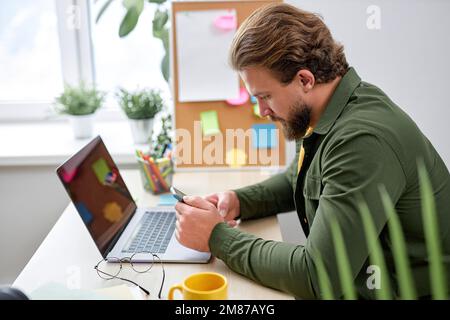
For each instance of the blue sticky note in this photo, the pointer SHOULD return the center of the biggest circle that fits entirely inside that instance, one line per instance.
(253, 100)
(84, 213)
(264, 136)
(167, 200)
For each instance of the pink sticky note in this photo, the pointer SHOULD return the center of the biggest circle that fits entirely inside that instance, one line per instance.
(68, 175)
(226, 22)
(243, 98)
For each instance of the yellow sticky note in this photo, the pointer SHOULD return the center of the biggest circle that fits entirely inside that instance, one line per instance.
(112, 212)
(210, 122)
(236, 157)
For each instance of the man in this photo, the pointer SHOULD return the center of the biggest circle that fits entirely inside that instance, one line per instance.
(351, 139)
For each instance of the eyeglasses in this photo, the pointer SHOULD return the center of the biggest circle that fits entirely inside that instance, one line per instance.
(136, 264)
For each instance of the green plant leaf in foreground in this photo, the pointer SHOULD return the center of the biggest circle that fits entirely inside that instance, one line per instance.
(324, 281)
(402, 266)
(376, 253)
(344, 268)
(431, 230)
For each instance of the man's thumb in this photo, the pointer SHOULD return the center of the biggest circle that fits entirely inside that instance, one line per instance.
(223, 207)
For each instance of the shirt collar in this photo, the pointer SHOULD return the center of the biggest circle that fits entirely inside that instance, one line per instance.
(338, 101)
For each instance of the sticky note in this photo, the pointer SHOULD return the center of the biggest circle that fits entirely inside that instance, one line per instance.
(85, 214)
(112, 212)
(226, 22)
(236, 157)
(256, 111)
(101, 169)
(167, 200)
(264, 136)
(243, 98)
(210, 123)
(68, 175)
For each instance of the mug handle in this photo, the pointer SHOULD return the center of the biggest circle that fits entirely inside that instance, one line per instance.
(173, 288)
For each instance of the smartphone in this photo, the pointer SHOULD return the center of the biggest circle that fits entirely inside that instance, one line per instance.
(177, 194)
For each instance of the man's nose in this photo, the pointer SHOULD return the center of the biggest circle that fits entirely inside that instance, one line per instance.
(264, 109)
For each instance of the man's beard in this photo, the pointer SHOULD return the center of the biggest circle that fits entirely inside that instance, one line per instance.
(297, 122)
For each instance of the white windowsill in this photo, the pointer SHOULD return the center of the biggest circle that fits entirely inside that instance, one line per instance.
(51, 143)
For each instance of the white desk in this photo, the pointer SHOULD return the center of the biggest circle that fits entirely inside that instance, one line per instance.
(68, 254)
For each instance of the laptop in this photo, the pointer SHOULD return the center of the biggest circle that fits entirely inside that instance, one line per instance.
(118, 227)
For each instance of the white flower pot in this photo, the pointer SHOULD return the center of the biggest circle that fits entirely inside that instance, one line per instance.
(141, 130)
(82, 126)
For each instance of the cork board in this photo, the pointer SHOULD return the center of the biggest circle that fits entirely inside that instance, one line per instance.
(235, 122)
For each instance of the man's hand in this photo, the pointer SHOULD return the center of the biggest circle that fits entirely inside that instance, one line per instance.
(227, 203)
(196, 218)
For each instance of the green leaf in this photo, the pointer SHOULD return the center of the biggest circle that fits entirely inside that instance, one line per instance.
(159, 21)
(324, 281)
(345, 274)
(376, 253)
(165, 39)
(431, 230)
(402, 266)
(102, 10)
(165, 67)
(157, 1)
(129, 22)
(137, 4)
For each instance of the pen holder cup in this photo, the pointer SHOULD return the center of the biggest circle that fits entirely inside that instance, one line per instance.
(156, 176)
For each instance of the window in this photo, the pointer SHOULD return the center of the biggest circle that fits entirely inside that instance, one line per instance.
(44, 43)
(29, 52)
(131, 62)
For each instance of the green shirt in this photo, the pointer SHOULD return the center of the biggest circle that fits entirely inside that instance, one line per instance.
(362, 140)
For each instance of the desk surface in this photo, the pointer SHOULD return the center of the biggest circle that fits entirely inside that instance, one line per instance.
(68, 254)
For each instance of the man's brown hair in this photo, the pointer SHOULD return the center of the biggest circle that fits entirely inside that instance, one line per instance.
(285, 39)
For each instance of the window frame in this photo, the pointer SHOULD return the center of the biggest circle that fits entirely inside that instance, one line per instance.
(77, 64)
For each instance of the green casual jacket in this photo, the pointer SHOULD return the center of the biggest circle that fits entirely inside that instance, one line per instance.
(362, 140)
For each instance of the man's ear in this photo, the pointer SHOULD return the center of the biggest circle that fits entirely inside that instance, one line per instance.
(306, 80)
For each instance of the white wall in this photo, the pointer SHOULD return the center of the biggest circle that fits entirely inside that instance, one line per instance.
(32, 199)
(408, 57)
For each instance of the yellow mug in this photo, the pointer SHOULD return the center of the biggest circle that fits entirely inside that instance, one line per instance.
(202, 286)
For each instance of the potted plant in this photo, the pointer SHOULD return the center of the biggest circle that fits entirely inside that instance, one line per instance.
(80, 103)
(141, 107)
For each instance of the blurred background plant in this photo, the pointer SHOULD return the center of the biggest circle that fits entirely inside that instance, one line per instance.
(134, 9)
(80, 103)
(140, 104)
(163, 140)
(79, 100)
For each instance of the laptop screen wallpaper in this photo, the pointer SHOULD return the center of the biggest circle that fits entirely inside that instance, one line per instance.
(98, 192)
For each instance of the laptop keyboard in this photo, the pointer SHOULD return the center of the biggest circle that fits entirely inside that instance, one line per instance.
(155, 232)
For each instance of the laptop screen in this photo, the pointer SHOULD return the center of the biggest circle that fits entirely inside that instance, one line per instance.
(98, 192)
